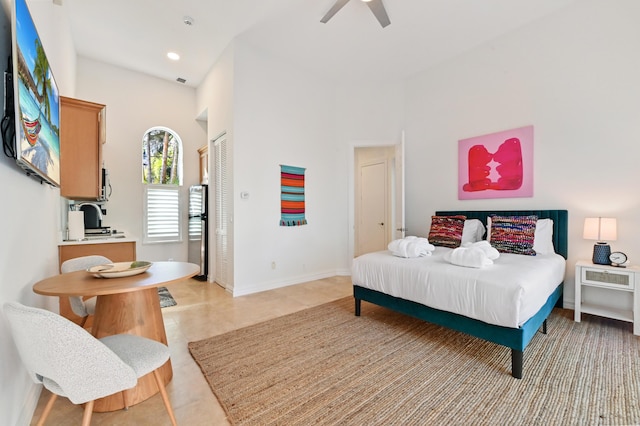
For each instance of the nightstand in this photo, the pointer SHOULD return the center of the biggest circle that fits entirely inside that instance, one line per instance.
(610, 279)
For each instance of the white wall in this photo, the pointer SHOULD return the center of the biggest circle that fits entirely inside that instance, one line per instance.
(367, 115)
(574, 77)
(135, 103)
(275, 114)
(32, 227)
(55, 34)
(284, 115)
(214, 101)
(369, 112)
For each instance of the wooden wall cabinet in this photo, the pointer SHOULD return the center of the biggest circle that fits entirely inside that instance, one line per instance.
(82, 133)
(116, 252)
(203, 151)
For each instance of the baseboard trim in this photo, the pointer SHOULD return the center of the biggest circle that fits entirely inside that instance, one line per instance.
(271, 285)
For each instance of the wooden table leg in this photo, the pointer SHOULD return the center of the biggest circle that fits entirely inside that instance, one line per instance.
(138, 313)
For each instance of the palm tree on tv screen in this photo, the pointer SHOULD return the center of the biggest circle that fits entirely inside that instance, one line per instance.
(40, 74)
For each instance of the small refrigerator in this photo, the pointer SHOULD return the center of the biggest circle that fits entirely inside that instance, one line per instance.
(199, 229)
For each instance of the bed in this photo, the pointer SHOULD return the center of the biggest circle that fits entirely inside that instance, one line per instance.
(514, 332)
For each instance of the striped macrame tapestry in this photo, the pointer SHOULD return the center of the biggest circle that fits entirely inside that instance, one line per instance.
(292, 196)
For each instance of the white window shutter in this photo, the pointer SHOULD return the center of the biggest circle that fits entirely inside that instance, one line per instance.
(162, 219)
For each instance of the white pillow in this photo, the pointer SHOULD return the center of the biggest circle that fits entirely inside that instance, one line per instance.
(542, 238)
(473, 231)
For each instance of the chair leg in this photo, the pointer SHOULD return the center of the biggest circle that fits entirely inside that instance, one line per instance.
(84, 320)
(165, 397)
(47, 409)
(88, 411)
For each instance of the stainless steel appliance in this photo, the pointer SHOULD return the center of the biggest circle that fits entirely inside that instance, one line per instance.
(105, 191)
(199, 229)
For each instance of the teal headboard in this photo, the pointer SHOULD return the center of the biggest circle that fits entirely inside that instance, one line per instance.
(560, 222)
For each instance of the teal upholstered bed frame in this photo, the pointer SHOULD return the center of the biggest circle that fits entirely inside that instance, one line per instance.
(515, 338)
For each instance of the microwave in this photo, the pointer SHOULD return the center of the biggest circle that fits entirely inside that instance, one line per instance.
(105, 191)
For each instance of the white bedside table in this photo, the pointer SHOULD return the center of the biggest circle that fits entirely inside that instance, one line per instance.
(609, 278)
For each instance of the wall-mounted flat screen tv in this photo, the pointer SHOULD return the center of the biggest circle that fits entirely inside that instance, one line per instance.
(36, 101)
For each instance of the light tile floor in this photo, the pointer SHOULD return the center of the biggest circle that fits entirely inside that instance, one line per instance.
(203, 310)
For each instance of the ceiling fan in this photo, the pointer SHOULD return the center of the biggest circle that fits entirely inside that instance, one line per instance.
(376, 7)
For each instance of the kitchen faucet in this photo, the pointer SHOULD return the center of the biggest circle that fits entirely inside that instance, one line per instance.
(95, 206)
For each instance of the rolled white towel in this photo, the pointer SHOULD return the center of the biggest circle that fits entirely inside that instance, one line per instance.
(486, 247)
(415, 249)
(411, 247)
(401, 247)
(394, 245)
(471, 257)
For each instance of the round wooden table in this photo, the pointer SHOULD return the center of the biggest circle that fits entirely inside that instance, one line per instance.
(124, 305)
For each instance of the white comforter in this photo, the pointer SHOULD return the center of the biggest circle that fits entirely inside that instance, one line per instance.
(506, 293)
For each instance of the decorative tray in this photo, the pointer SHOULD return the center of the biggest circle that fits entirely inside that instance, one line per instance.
(119, 269)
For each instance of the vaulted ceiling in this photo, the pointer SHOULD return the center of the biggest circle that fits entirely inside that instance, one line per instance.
(352, 46)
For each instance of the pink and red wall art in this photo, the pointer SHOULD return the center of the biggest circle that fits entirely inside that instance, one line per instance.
(498, 165)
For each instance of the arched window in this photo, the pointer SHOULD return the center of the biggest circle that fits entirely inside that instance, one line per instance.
(161, 157)
(162, 178)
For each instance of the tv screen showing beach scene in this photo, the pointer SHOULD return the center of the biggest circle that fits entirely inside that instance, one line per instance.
(36, 101)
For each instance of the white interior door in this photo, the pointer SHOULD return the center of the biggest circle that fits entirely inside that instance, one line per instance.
(373, 224)
(383, 186)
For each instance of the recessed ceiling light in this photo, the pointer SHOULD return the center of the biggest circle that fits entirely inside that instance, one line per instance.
(188, 20)
(173, 56)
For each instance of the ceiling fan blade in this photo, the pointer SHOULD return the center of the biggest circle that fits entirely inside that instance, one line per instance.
(334, 9)
(378, 10)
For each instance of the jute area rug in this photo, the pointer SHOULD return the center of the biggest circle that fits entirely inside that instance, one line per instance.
(325, 366)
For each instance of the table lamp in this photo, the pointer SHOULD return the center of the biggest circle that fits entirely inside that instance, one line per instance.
(600, 229)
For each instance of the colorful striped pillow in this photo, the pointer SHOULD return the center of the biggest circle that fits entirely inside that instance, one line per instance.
(446, 231)
(513, 234)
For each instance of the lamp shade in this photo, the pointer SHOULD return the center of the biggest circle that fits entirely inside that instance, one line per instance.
(600, 229)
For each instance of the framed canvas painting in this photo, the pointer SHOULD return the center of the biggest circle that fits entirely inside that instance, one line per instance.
(497, 165)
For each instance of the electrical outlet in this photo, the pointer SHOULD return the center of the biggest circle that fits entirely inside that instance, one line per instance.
(273, 265)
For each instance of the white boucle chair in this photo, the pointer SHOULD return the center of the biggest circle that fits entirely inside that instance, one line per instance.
(72, 363)
(80, 307)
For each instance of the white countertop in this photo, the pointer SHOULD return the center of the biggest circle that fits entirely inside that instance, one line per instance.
(98, 240)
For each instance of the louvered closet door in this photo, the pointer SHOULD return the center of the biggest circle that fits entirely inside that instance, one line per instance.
(221, 211)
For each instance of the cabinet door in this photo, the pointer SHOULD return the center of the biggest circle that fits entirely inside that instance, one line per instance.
(82, 132)
(204, 164)
(116, 252)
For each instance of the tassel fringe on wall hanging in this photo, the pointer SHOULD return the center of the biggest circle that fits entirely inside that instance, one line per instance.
(292, 196)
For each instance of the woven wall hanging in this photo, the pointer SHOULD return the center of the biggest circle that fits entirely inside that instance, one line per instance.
(292, 196)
